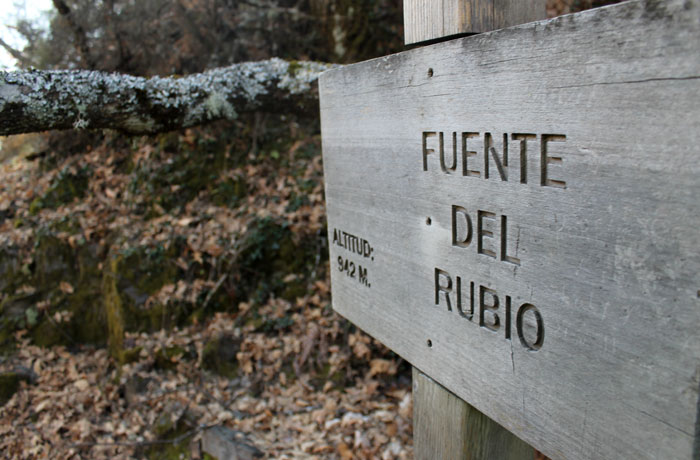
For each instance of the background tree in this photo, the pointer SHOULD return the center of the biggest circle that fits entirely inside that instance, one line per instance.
(163, 37)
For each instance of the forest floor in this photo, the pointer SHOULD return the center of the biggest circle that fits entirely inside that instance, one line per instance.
(239, 334)
(83, 405)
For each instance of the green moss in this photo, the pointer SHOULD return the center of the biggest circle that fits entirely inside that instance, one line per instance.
(129, 279)
(130, 355)
(268, 254)
(164, 426)
(12, 312)
(65, 224)
(167, 358)
(10, 270)
(198, 315)
(171, 451)
(262, 324)
(169, 142)
(35, 206)
(102, 303)
(229, 192)
(195, 167)
(47, 334)
(66, 187)
(293, 68)
(144, 270)
(114, 311)
(54, 262)
(8, 345)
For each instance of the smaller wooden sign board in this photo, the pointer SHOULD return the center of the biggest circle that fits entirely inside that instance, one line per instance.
(517, 214)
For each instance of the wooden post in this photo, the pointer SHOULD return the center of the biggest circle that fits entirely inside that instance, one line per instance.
(445, 426)
(426, 20)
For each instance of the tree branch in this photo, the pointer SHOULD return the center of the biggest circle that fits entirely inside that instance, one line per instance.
(15, 53)
(175, 440)
(41, 100)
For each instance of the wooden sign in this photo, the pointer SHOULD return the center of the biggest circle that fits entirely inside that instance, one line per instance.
(426, 20)
(517, 214)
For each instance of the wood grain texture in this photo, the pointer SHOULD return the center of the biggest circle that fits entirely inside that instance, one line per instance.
(443, 426)
(426, 20)
(508, 13)
(610, 261)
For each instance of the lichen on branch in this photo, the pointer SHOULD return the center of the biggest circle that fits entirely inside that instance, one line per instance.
(35, 100)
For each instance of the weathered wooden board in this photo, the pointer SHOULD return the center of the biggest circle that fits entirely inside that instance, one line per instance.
(590, 245)
(426, 20)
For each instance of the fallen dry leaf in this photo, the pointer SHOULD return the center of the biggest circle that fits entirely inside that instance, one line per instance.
(65, 287)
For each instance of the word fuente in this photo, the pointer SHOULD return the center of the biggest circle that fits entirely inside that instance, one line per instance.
(462, 142)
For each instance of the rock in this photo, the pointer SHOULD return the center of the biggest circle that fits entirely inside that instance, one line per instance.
(222, 443)
(134, 387)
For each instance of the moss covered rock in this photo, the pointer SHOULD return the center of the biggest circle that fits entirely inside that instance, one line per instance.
(68, 279)
(189, 168)
(62, 279)
(219, 355)
(97, 304)
(274, 261)
(10, 383)
(79, 293)
(129, 279)
(66, 187)
(9, 266)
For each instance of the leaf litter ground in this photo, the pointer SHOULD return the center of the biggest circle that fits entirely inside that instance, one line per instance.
(301, 382)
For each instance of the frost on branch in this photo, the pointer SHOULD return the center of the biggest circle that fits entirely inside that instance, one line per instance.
(62, 99)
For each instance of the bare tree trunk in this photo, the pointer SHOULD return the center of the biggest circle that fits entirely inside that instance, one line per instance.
(78, 33)
(40, 100)
(112, 25)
